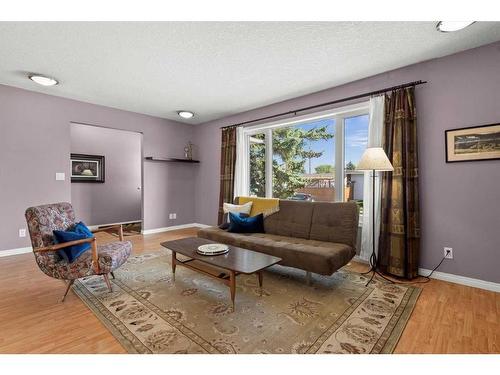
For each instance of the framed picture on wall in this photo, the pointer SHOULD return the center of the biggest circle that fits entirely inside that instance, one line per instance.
(87, 168)
(473, 143)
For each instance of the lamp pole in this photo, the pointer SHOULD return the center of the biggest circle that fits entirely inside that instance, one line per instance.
(373, 257)
(374, 159)
(374, 265)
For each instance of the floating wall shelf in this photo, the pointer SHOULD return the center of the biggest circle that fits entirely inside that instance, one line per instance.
(171, 160)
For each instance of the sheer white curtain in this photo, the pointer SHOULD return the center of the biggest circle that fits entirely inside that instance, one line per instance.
(241, 183)
(375, 131)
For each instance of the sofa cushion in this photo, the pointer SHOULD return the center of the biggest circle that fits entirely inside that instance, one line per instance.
(292, 220)
(335, 222)
(315, 256)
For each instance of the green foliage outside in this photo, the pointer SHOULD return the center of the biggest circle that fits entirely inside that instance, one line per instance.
(324, 168)
(350, 166)
(289, 158)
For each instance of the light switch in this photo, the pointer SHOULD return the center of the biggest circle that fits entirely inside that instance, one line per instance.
(60, 176)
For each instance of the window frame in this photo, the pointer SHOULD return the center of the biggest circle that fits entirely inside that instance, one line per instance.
(338, 114)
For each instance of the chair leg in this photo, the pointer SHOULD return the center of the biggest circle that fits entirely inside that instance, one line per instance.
(70, 283)
(106, 278)
(112, 275)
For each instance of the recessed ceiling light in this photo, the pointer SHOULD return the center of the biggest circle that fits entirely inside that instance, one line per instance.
(43, 80)
(185, 114)
(449, 26)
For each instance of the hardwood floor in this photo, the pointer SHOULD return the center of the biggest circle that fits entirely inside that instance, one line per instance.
(448, 318)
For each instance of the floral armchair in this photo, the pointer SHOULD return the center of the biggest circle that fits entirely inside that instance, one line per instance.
(100, 260)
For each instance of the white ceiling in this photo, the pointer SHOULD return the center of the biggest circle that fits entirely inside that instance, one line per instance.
(215, 68)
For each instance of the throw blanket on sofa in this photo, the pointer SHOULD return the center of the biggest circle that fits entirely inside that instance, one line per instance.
(266, 206)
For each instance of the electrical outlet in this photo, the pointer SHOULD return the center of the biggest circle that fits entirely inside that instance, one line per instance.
(448, 252)
(175, 216)
(22, 232)
(172, 216)
(60, 176)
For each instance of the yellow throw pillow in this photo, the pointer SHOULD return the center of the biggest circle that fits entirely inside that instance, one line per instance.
(266, 206)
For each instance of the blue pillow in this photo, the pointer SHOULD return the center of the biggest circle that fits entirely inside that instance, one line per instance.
(238, 224)
(83, 229)
(79, 232)
(225, 224)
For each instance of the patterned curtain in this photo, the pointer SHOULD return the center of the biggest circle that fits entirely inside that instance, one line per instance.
(399, 242)
(227, 163)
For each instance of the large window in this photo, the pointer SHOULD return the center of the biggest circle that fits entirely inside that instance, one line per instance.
(355, 142)
(303, 161)
(309, 158)
(257, 153)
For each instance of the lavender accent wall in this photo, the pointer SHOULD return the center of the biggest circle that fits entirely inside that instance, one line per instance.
(119, 198)
(460, 202)
(35, 144)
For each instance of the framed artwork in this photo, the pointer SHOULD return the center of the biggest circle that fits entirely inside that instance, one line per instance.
(473, 143)
(87, 168)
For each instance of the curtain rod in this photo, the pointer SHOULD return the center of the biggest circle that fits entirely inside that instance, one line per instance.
(381, 91)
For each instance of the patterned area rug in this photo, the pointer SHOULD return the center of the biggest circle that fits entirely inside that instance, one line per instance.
(150, 313)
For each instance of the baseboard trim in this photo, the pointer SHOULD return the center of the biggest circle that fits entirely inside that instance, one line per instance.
(20, 250)
(94, 227)
(449, 277)
(468, 281)
(174, 227)
(357, 258)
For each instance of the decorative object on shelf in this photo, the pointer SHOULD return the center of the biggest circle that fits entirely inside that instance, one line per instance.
(171, 160)
(87, 168)
(212, 249)
(188, 151)
(374, 159)
(473, 143)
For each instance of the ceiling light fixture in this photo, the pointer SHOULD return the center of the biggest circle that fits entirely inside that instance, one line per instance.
(449, 26)
(185, 114)
(43, 80)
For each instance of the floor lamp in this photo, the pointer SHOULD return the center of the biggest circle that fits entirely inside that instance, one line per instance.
(374, 159)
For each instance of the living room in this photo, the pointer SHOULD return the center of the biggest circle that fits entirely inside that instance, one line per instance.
(318, 187)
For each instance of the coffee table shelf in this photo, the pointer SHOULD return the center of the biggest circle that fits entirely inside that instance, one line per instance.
(237, 261)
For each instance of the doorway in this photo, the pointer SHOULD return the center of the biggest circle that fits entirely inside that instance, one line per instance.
(117, 197)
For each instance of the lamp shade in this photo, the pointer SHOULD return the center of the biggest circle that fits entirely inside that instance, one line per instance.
(374, 158)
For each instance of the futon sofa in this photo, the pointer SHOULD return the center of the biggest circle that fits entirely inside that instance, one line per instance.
(317, 237)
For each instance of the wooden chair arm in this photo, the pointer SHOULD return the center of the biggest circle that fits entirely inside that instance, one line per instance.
(93, 243)
(113, 228)
(59, 246)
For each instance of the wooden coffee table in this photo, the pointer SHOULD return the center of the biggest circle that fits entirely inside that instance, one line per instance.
(224, 267)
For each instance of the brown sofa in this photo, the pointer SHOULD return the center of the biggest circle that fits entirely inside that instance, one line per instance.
(318, 237)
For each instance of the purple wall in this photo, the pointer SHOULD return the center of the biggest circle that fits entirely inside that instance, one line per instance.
(35, 144)
(460, 202)
(119, 198)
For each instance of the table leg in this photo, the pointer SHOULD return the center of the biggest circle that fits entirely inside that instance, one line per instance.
(260, 275)
(232, 286)
(174, 263)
